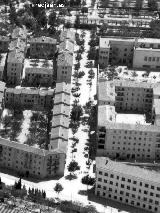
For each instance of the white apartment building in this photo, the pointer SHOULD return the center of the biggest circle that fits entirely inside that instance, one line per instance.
(31, 161)
(146, 58)
(128, 184)
(128, 141)
(137, 52)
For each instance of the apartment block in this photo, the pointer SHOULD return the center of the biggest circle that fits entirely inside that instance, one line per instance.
(31, 161)
(146, 58)
(128, 184)
(60, 118)
(38, 72)
(3, 59)
(4, 43)
(64, 67)
(16, 55)
(36, 99)
(43, 47)
(117, 51)
(137, 52)
(124, 140)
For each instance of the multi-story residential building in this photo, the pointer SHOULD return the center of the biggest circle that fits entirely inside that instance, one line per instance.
(15, 61)
(67, 34)
(14, 67)
(36, 99)
(4, 43)
(42, 47)
(116, 51)
(128, 141)
(146, 58)
(60, 119)
(38, 72)
(126, 184)
(64, 67)
(31, 161)
(3, 58)
(139, 53)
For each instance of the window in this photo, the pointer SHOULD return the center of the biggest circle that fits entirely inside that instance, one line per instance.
(122, 185)
(100, 173)
(149, 59)
(145, 58)
(100, 179)
(123, 179)
(146, 185)
(153, 59)
(98, 186)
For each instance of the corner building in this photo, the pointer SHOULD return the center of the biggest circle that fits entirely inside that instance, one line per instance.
(128, 184)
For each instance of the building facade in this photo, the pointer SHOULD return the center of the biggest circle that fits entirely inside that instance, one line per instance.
(60, 117)
(43, 47)
(16, 56)
(128, 141)
(36, 99)
(128, 184)
(133, 52)
(64, 67)
(30, 161)
(38, 72)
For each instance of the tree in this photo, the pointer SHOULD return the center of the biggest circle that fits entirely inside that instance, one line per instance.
(76, 113)
(18, 184)
(77, 22)
(58, 188)
(73, 166)
(89, 209)
(52, 19)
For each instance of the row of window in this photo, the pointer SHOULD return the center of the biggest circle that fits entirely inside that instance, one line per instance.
(151, 58)
(128, 180)
(131, 202)
(129, 194)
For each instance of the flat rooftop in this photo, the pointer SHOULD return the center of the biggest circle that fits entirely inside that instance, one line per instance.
(131, 119)
(132, 171)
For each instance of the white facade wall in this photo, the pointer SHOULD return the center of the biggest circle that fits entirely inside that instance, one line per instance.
(127, 189)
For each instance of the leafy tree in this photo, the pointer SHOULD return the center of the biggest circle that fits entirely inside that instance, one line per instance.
(77, 22)
(89, 209)
(18, 184)
(73, 166)
(88, 180)
(52, 18)
(155, 28)
(12, 14)
(76, 113)
(84, 10)
(58, 188)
